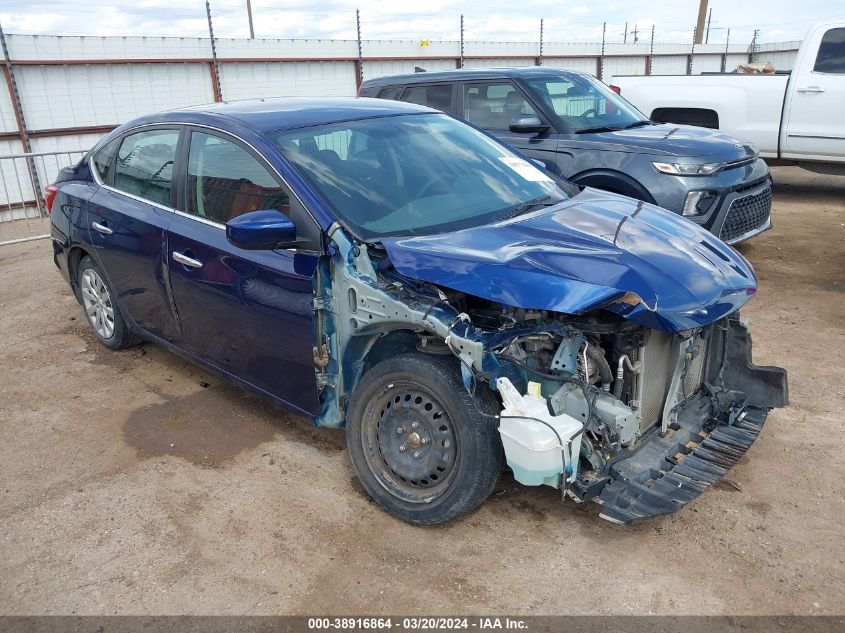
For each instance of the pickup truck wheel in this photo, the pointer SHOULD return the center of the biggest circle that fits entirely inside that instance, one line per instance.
(101, 311)
(424, 449)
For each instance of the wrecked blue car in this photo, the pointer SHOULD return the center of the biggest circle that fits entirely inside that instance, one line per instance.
(383, 267)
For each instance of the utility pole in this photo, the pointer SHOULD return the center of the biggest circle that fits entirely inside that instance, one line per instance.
(636, 38)
(699, 24)
(214, 64)
(625, 37)
(540, 58)
(709, 17)
(249, 15)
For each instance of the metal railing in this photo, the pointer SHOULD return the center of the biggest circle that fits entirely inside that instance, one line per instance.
(23, 178)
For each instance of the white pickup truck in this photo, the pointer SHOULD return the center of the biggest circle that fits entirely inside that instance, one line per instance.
(792, 118)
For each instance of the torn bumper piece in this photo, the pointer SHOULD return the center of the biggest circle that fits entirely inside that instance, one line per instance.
(711, 433)
(670, 471)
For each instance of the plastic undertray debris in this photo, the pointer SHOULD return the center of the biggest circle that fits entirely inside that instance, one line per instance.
(672, 470)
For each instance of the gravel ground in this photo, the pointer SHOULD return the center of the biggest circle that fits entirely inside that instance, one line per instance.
(135, 483)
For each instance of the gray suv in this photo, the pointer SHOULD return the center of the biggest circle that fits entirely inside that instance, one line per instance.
(584, 132)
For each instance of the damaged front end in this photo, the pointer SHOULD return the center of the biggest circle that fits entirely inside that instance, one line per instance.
(603, 406)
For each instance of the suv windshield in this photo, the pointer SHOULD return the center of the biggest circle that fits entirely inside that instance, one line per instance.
(415, 174)
(582, 104)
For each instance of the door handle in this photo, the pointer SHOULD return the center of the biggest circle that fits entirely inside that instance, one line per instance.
(102, 228)
(811, 89)
(187, 261)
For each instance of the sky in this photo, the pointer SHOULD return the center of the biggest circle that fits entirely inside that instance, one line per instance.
(564, 20)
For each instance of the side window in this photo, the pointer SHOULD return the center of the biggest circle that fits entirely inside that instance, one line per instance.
(103, 160)
(493, 105)
(144, 164)
(391, 92)
(831, 56)
(435, 96)
(225, 181)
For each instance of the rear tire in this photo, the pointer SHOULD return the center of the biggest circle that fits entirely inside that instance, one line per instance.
(424, 449)
(100, 309)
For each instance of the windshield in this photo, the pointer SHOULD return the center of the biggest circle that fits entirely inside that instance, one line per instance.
(415, 175)
(584, 104)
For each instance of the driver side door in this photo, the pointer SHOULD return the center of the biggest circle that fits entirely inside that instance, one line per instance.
(250, 313)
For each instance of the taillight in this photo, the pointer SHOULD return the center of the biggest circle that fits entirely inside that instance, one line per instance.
(52, 190)
(616, 89)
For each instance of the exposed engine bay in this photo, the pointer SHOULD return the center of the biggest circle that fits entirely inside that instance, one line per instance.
(638, 419)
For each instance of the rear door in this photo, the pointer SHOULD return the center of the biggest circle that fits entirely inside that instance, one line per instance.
(127, 221)
(250, 313)
(815, 125)
(492, 105)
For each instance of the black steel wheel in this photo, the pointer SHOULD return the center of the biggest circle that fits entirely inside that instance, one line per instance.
(423, 448)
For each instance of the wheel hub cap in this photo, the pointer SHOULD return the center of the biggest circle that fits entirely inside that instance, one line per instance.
(97, 303)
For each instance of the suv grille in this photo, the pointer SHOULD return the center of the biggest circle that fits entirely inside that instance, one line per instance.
(746, 214)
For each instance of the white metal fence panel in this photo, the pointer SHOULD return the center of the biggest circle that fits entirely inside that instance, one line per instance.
(580, 64)
(399, 67)
(623, 66)
(499, 62)
(74, 96)
(706, 64)
(669, 65)
(246, 80)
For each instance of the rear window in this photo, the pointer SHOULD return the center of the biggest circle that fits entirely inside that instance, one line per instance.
(144, 164)
(831, 56)
(437, 96)
(103, 160)
(391, 92)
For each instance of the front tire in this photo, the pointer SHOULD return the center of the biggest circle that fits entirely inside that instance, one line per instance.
(100, 309)
(424, 449)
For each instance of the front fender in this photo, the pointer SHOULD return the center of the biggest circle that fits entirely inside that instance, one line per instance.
(615, 181)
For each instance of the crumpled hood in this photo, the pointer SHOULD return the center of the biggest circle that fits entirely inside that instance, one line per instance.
(584, 254)
(680, 141)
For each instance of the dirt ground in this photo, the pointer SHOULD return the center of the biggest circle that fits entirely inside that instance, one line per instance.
(136, 483)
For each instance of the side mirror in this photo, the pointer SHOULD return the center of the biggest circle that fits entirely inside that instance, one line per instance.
(261, 230)
(527, 123)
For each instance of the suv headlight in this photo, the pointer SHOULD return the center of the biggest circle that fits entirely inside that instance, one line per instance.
(679, 169)
(699, 203)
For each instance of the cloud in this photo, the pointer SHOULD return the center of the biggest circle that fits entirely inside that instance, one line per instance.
(435, 19)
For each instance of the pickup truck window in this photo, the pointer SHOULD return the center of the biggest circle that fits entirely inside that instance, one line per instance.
(415, 175)
(831, 55)
(583, 105)
(492, 105)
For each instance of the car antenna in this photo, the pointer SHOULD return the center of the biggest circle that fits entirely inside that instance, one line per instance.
(417, 69)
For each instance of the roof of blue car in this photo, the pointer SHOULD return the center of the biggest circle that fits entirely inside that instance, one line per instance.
(469, 73)
(294, 112)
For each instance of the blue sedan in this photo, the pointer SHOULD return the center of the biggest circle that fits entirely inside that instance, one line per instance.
(383, 267)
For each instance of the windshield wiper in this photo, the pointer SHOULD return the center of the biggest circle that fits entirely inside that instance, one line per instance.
(600, 128)
(525, 207)
(638, 124)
